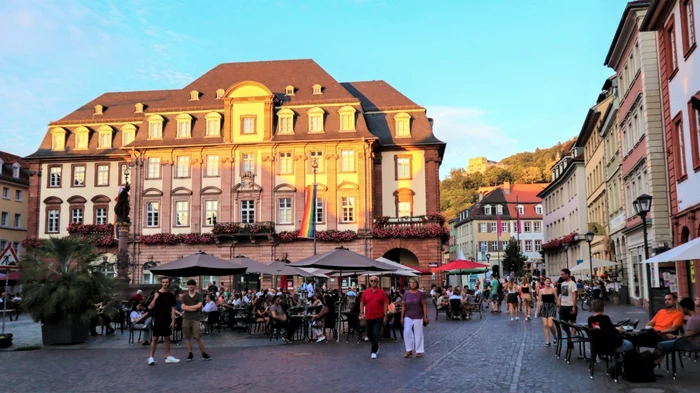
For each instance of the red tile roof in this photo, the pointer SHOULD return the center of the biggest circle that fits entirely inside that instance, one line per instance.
(6, 169)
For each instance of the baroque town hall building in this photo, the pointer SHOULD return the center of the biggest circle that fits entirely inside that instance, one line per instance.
(223, 166)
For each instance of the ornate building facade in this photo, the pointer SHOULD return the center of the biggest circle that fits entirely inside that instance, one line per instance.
(223, 165)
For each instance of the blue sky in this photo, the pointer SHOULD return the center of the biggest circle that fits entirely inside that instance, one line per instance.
(499, 77)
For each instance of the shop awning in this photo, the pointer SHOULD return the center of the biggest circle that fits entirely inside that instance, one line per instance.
(685, 252)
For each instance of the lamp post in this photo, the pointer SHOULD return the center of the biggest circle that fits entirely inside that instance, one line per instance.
(589, 239)
(642, 206)
(566, 251)
(314, 168)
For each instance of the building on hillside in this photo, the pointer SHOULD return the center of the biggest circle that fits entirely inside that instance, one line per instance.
(675, 25)
(590, 141)
(633, 56)
(478, 232)
(481, 164)
(565, 213)
(14, 183)
(609, 133)
(223, 164)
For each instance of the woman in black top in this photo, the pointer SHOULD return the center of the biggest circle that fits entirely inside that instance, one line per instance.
(547, 309)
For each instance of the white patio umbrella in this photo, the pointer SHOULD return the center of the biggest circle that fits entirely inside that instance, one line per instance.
(597, 264)
(685, 252)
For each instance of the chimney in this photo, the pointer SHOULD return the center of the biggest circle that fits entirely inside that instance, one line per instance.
(506, 187)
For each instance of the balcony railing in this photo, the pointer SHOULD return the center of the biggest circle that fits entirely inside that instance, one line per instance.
(428, 226)
(239, 230)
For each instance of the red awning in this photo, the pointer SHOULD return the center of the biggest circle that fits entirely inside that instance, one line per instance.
(462, 265)
(14, 276)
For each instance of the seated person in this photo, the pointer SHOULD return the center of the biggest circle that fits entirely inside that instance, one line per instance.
(669, 319)
(237, 302)
(211, 305)
(692, 326)
(456, 297)
(141, 320)
(351, 292)
(443, 301)
(280, 318)
(601, 321)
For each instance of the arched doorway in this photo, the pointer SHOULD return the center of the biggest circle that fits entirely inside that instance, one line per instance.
(404, 257)
(689, 265)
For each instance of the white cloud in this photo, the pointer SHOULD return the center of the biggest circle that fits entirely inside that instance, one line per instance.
(468, 132)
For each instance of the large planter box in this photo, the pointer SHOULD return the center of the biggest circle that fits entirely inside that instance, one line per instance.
(67, 331)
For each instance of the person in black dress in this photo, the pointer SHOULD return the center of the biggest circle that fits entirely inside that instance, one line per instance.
(163, 310)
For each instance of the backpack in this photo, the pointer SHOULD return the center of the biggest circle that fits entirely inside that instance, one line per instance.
(639, 367)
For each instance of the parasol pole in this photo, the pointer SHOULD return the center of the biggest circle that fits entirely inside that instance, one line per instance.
(4, 301)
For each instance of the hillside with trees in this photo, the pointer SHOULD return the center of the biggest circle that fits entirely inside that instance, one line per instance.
(459, 190)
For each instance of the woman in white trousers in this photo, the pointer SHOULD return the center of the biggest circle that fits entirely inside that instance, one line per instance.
(414, 315)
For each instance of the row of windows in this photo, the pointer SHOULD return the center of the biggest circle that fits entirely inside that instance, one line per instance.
(79, 175)
(526, 246)
(488, 209)
(632, 130)
(688, 38)
(6, 194)
(635, 186)
(681, 163)
(5, 220)
(528, 226)
(556, 199)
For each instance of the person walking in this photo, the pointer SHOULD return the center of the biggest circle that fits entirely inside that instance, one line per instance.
(163, 308)
(567, 297)
(373, 306)
(547, 309)
(493, 297)
(191, 307)
(512, 299)
(414, 314)
(526, 298)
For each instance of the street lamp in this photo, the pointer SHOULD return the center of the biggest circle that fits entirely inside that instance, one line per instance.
(642, 206)
(589, 239)
(314, 168)
(566, 251)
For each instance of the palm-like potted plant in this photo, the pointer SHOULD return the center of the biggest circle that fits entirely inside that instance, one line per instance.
(62, 286)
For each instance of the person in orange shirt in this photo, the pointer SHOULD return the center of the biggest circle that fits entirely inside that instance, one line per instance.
(669, 319)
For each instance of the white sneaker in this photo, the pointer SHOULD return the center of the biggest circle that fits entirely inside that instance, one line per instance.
(373, 356)
(321, 339)
(512, 319)
(517, 318)
(172, 359)
(151, 361)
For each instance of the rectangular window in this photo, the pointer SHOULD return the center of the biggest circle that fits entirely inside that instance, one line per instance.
(403, 168)
(182, 213)
(58, 141)
(521, 210)
(213, 127)
(402, 127)
(52, 221)
(79, 176)
(504, 245)
(527, 226)
(347, 163)
(348, 207)
(347, 121)
(286, 125)
(494, 245)
(123, 176)
(285, 211)
(4, 217)
(538, 209)
(247, 211)
(499, 209)
(155, 130)
(688, 25)
(528, 245)
(6, 192)
(152, 219)
(183, 166)
(404, 209)
(248, 125)
(316, 156)
(211, 212)
(538, 245)
(315, 123)
(538, 226)
(286, 163)
(212, 166)
(248, 163)
(81, 140)
(672, 50)
(105, 140)
(183, 129)
(102, 175)
(482, 227)
(18, 195)
(319, 210)
(18, 221)
(487, 210)
(494, 227)
(100, 215)
(128, 137)
(504, 227)
(76, 216)
(153, 168)
(16, 247)
(681, 170)
(695, 133)
(55, 176)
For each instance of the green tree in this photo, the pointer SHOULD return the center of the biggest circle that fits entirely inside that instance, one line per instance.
(531, 174)
(514, 260)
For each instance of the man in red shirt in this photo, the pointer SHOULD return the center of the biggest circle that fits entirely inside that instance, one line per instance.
(373, 307)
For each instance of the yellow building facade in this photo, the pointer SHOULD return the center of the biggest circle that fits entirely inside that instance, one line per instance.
(14, 188)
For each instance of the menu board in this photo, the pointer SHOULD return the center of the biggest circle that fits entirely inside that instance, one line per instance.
(657, 302)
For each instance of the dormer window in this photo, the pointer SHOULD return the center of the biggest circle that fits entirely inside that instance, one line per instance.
(289, 90)
(98, 109)
(403, 124)
(213, 124)
(15, 170)
(58, 139)
(285, 124)
(316, 119)
(128, 134)
(194, 95)
(538, 209)
(487, 210)
(104, 140)
(155, 127)
(184, 125)
(219, 94)
(347, 118)
(499, 209)
(317, 89)
(82, 134)
(138, 108)
(521, 209)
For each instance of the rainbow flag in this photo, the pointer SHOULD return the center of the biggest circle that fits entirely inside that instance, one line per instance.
(308, 221)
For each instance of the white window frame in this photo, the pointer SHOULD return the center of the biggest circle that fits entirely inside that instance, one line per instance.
(101, 216)
(403, 125)
(347, 205)
(538, 245)
(537, 227)
(152, 214)
(82, 170)
(102, 176)
(494, 245)
(538, 209)
(76, 215)
(15, 170)
(182, 213)
(494, 227)
(483, 228)
(248, 125)
(284, 211)
(504, 227)
(6, 192)
(154, 166)
(347, 160)
(248, 163)
(404, 209)
(81, 140)
(319, 210)
(403, 168)
(104, 139)
(528, 245)
(247, 211)
(213, 124)
(527, 226)
(487, 210)
(53, 221)
(521, 209)
(286, 163)
(316, 119)
(212, 166)
(155, 129)
(183, 167)
(211, 213)
(499, 209)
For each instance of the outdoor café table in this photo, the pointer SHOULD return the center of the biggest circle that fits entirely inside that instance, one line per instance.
(302, 325)
(647, 338)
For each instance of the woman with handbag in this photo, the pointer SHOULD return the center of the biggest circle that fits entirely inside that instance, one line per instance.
(414, 314)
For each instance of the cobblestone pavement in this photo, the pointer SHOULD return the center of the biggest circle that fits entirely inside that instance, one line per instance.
(493, 354)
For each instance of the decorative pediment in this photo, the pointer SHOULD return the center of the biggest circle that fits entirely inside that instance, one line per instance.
(348, 185)
(76, 199)
(152, 192)
(100, 199)
(52, 200)
(404, 191)
(181, 191)
(285, 188)
(244, 187)
(211, 190)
